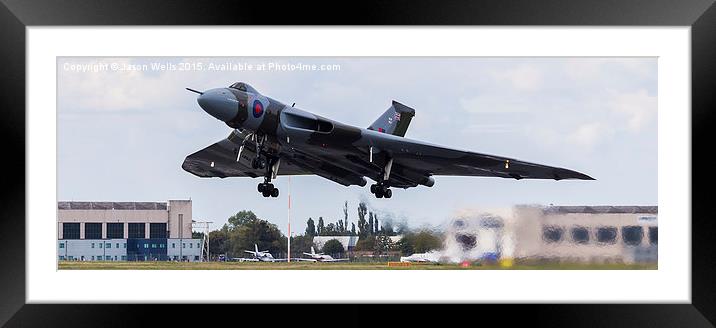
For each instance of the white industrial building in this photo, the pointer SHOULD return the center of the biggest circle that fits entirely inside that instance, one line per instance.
(126, 231)
(592, 234)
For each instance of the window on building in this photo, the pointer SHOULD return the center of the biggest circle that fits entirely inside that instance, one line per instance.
(161, 245)
(108, 258)
(552, 234)
(580, 235)
(92, 257)
(157, 230)
(117, 245)
(100, 245)
(190, 245)
(632, 235)
(183, 245)
(62, 258)
(654, 235)
(92, 245)
(173, 245)
(154, 245)
(70, 257)
(108, 245)
(93, 230)
(115, 257)
(607, 235)
(125, 245)
(196, 258)
(62, 245)
(135, 230)
(115, 231)
(146, 245)
(198, 245)
(71, 230)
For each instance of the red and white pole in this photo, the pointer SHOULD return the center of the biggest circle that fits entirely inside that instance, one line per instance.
(289, 219)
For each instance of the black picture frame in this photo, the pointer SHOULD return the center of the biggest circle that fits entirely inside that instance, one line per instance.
(700, 15)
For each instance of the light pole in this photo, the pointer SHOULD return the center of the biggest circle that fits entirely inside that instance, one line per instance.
(289, 219)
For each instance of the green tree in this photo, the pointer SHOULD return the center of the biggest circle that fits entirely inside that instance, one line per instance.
(371, 224)
(301, 244)
(366, 243)
(362, 223)
(241, 218)
(382, 244)
(345, 215)
(310, 228)
(333, 247)
(353, 229)
(341, 229)
(321, 227)
(218, 241)
(421, 241)
(405, 246)
(330, 230)
(252, 231)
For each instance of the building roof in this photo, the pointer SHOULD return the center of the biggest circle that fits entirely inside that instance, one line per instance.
(112, 206)
(346, 241)
(600, 209)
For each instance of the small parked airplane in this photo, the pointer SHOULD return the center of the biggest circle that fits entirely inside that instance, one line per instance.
(259, 256)
(319, 257)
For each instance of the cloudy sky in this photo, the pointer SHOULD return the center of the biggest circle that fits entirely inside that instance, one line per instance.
(123, 134)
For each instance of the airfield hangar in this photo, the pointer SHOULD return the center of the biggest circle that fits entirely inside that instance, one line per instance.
(126, 231)
(535, 233)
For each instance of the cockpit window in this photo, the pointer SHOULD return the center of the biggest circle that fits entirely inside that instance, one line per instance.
(241, 86)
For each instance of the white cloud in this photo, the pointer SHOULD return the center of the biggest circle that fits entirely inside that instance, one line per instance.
(590, 134)
(494, 103)
(638, 108)
(524, 77)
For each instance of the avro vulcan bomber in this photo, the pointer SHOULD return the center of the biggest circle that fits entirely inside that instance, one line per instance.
(272, 139)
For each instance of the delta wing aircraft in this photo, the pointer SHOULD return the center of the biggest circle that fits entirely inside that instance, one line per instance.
(271, 139)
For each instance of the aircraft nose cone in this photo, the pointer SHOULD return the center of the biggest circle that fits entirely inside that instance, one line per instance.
(219, 103)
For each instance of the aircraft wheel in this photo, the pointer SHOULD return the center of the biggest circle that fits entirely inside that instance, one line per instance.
(274, 192)
(261, 163)
(379, 194)
(388, 193)
(260, 187)
(373, 188)
(266, 193)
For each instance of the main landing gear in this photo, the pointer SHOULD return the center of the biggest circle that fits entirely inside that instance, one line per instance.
(267, 189)
(260, 162)
(381, 190)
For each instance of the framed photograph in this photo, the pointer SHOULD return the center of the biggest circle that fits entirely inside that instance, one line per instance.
(488, 155)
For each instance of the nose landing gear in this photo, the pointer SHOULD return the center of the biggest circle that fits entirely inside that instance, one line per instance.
(271, 165)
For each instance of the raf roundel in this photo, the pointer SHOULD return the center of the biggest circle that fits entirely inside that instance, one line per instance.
(258, 109)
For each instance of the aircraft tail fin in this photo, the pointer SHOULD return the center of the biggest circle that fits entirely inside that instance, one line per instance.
(395, 120)
(313, 251)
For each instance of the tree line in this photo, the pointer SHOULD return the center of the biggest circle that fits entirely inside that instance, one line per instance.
(244, 229)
